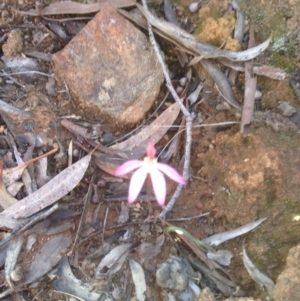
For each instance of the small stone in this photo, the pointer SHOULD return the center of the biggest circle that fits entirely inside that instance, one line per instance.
(183, 81)
(257, 95)
(111, 69)
(174, 274)
(286, 108)
(206, 295)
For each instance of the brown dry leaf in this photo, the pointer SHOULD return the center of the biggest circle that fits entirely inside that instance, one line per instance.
(109, 164)
(68, 7)
(151, 133)
(250, 88)
(258, 69)
(82, 132)
(54, 190)
(136, 145)
(11, 175)
(6, 200)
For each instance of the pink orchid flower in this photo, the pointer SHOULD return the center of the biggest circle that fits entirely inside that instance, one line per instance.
(149, 166)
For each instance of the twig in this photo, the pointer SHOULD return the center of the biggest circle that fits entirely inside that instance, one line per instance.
(87, 199)
(187, 114)
(104, 223)
(27, 72)
(101, 231)
(187, 218)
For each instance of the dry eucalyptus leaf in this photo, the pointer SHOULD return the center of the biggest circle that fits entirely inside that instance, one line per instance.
(47, 258)
(182, 37)
(12, 254)
(261, 279)
(219, 238)
(68, 7)
(250, 89)
(151, 133)
(51, 192)
(108, 164)
(9, 222)
(138, 277)
(3, 250)
(6, 200)
(124, 214)
(14, 188)
(11, 175)
(222, 257)
(113, 261)
(66, 282)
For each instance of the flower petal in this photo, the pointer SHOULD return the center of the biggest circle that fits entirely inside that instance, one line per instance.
(127, 167)
(136, 183)
(159, 186)
(151, 150)
(171, 173)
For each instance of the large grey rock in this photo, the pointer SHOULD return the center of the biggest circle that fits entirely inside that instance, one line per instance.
(111, 69)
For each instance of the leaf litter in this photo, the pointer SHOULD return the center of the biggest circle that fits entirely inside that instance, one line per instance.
(108, 158)
(51, 192)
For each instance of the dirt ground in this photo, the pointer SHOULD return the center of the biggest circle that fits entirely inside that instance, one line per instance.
(235, 178)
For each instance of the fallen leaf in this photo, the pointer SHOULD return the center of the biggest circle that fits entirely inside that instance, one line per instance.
(138, 277)
(178, 35)
(250, 89)
(66, 282)
(11, 175)
(109, 164)
(6, 200)
(9, 222)
(219, 238)
(68, 7)
(47, 258)
(222, 257)
(151, 133)
(113, 261)
(12, 255)
(14, 188)
(195, 244)
(261, 279)
(51, 192)
(258, 69)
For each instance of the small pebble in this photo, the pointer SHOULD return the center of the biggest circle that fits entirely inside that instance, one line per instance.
(183, 81)
(286, 108)
(101, 183)
(194, 7)
(211, 146)
(75, 152)
(258, 95)
(179, 89)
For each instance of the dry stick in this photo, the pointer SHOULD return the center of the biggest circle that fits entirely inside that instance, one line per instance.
(104, 223)
(189, 120)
